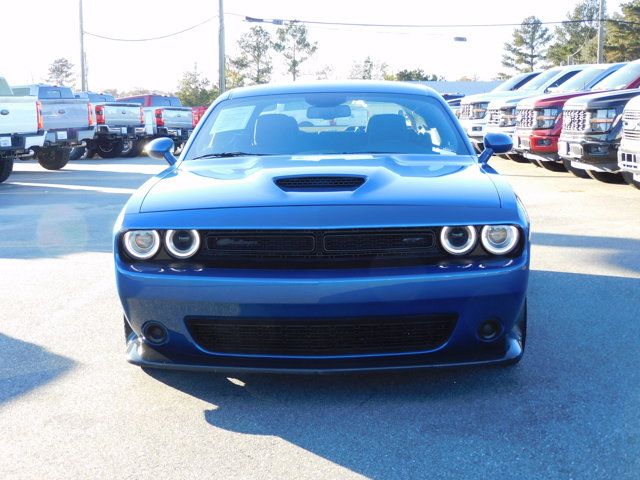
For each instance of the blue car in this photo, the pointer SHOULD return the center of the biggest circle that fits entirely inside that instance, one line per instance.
(324, 227)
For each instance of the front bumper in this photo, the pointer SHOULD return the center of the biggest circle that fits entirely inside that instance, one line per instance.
(473, 292)
(629, 161)
(595, 152)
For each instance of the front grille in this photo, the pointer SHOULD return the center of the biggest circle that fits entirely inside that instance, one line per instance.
(465, 111)
(321, 337)
(493, 117)
(319, 182)
(632, 115)
(574, 120)
(525, 118)
(319, 248)
(631, 134)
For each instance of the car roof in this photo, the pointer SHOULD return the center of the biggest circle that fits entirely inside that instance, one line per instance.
(359, 86)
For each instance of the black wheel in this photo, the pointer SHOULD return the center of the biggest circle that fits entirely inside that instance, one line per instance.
(127, 329)
(109, 148)
(578, 172)
(77, 153)
(516, 157)
(522, 330)
(606, 177)
(553, 166)
(628, 177)
(53, 159)
(135, 150)
(6, 167)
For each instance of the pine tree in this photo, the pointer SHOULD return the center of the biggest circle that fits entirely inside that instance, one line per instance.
(574, 39)
(623, 34)
(254, 62)
(61, 72)
(294, 45)
(527, 50)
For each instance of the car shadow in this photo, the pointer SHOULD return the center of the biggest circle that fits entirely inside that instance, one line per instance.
(547, 414)
(25, 367)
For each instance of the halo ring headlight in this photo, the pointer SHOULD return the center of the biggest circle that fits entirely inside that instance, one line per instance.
(499, 239)
(458, 240)
(182, 244)
(141, 244)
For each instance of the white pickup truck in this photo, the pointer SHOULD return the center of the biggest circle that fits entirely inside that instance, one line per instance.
(116, 124)
(67, 120)
(164, 117)
(21, 127)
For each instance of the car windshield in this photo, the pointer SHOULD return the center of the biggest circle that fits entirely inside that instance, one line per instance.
(329, 123)
(540, 81)
(516, 82)
(581, 80)
(620, 79)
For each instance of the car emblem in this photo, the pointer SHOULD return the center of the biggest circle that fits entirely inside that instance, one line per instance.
(124, 112)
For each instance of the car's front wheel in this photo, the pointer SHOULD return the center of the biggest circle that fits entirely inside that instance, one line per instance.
(6, 167)
(53, 159)
(628, 177)
(606, 177)
(553, 166)
(578, 172)
(516, 157)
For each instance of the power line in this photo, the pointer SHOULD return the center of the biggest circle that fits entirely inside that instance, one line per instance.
(104, 37)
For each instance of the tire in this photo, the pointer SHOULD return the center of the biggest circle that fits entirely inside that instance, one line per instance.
(516, 157)
(6, 167)
(109, 148)
(553, 166)
(522, 326)
(606, 177)
(578, 172)
(77, 153)
(628, 177)
(135, 150)
(53, 159)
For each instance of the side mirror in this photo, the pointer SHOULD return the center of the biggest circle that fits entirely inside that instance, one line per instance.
(161, 149)
(495, 143)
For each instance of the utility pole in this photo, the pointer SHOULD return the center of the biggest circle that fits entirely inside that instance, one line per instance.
(221, 56)
(601, 13)
(83, 67)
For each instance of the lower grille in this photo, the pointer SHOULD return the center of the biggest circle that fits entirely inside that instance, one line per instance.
(574, 120)
(630, 161)
(318, 337)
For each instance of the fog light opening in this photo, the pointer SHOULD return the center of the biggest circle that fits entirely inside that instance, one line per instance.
(154, 333)
(490, 330)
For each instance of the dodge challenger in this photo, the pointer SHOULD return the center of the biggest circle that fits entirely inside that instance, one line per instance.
(324, 227)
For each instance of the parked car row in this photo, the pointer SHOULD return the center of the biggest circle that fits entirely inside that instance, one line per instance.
(569, 118)
(55, 124)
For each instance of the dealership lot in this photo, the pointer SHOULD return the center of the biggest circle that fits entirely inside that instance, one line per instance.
(70, 407)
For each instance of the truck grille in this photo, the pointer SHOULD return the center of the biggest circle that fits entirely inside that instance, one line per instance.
(574, 120)
(631, 123)
(632, 115)
(320, 336)
(465, 111)
(525, 117)
(319, 248)
(493, 116)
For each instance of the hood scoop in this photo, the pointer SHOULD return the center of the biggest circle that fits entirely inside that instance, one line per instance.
(320, 183)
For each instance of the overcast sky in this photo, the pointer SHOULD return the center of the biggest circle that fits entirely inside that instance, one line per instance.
(34, 33)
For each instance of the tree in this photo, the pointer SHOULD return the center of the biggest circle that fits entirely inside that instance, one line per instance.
(254, 61)
(61, 72)
(623, 34)
(368, 70)
(416, 75)
(195, 90)
(292, 42)
(234, 76)
(324, 73)
(527, 49)
(572, 38)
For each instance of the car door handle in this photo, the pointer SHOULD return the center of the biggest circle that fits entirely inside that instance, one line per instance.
(61, 112)
(4, 112)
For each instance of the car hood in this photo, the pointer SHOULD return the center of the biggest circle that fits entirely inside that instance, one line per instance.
(610, 99)
(489, 97)
(550, 99)
(453, 181)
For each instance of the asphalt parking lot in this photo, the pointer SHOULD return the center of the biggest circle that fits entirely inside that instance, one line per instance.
(71, 407)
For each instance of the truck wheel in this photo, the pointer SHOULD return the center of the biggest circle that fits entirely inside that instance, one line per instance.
(628, 177)
(578, 172)
(136, 148)
(77, 153)
(553, 166)
(53, 159)
(6, 167)
(606, 177)
(109, 148)
(516, 157)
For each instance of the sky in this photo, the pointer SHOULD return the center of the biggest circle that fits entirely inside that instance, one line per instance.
(53, 32)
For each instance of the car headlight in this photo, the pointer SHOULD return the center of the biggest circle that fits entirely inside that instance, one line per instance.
(547, 117)
(458, 240)
(182, 243)
(499, 239)
(602, 120)
(508, 117)
(141, 244)
(479, 110)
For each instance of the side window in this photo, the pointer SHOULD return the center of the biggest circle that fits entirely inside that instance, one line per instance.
(562, 79)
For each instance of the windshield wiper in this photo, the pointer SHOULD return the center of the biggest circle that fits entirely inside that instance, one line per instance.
(228, 155)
